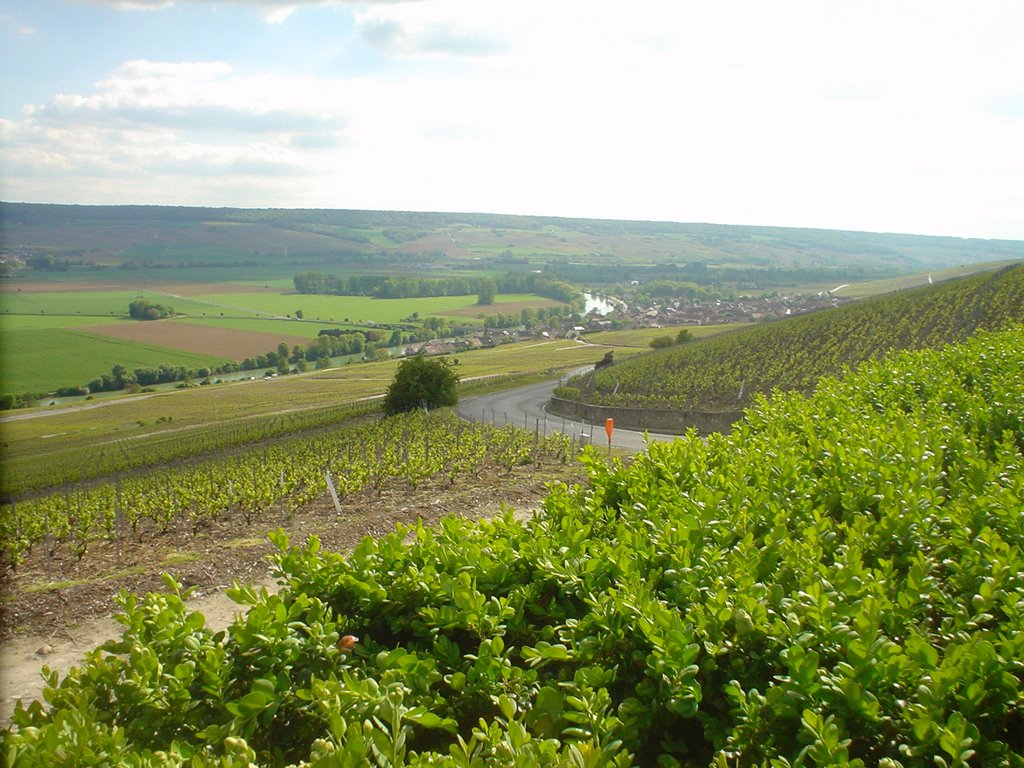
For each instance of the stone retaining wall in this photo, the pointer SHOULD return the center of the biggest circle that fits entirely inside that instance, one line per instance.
(660, 420)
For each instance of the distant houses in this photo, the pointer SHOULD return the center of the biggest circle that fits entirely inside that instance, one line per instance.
(674, 312)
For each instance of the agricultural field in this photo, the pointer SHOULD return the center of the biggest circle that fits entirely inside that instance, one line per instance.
(12, 323)
(838, 582)
(64, 357)
(364, 309)
(80, 261)
(415, 447)
(108, 303)
(306, 329)
(217, 343)
(871, 288)
(68, 444)
(642, 337)
(226, 322)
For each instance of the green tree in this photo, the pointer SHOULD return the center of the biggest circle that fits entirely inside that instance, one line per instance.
(486, 291)
(141, 309)
(422, 382)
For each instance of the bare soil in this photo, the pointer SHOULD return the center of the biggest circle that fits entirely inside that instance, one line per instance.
(192, 337)
(55, 609)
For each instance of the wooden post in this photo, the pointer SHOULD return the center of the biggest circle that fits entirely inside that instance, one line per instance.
(118, 518)
(333, 490)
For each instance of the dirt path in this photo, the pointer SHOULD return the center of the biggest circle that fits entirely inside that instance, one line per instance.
(22, 658)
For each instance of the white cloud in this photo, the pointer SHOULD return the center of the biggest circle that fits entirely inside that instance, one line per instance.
(195, 96)
(133, 5)
(867, 116)
(273, 11)
(399, 38)
(159, 127)
(16, 26)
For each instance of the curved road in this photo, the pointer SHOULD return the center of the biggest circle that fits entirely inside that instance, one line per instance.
(525, 407)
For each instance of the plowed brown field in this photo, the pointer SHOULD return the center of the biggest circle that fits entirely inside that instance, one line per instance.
(227, 343)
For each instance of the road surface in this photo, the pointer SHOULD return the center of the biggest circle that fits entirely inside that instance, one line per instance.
(525, 407)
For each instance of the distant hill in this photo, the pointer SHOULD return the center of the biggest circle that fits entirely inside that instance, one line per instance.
(96, 241)
(726, 371)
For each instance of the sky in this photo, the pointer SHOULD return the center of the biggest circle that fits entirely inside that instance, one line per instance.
(873, 115)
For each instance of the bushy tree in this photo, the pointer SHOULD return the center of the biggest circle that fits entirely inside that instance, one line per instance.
(142, 309)
(487, 290)
(422, 382)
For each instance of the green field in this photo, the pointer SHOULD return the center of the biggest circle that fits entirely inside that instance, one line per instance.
(642, 337)
(10, 323)
(359, 309)
(44, 359)
(38, 327)
(101, 303)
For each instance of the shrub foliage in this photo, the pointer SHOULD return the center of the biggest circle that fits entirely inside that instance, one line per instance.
(422, 382)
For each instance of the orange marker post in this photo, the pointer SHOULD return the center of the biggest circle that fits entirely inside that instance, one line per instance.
(609, 427)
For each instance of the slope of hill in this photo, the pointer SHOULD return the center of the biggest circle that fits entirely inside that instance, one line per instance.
(727, 371)
(263, 244)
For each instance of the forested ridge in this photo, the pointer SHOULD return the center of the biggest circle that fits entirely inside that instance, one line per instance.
(587, 250)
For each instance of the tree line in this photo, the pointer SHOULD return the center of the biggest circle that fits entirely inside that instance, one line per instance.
(385, 287)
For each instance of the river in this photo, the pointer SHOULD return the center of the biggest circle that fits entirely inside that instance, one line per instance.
(603, 305)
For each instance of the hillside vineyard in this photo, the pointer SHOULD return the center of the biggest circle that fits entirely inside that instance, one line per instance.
(838, 582)
(726, 372)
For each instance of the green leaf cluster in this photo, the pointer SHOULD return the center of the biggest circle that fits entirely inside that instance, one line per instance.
(422, 382)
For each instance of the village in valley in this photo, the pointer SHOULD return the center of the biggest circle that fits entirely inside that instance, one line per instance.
(610, 314)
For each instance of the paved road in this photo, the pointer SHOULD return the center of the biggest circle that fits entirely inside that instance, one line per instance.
(525, 407)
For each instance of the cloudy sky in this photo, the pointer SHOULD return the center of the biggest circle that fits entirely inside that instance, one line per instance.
(878, 115)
